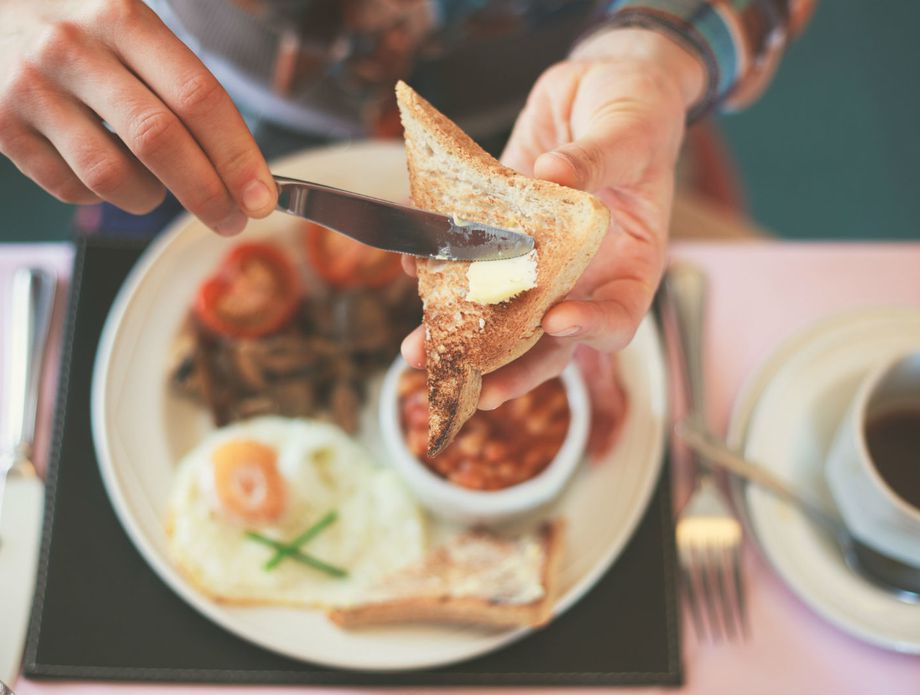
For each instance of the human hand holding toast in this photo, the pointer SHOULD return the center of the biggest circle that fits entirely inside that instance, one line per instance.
(609, 121)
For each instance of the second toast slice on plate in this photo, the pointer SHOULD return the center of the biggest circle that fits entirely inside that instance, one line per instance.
(477, 578)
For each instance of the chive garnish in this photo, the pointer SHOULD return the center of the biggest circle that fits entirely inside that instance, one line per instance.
(293, 548)
(301, 540)
(298, 555)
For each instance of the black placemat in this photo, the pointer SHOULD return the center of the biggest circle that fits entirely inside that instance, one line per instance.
(101, 614)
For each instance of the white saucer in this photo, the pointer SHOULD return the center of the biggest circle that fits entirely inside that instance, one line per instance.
(785, 419)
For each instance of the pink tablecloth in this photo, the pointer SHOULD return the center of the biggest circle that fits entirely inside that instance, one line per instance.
(761, 293)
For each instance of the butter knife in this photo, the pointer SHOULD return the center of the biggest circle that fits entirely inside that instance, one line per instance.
(392, 227)
(31, 305)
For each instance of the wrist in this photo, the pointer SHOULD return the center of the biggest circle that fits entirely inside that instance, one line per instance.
(686, 70)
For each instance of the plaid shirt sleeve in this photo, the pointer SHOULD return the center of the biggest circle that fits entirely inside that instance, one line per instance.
(739, 41)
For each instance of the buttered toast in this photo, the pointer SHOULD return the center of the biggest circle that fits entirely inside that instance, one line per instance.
(476, 578)
(466, 337)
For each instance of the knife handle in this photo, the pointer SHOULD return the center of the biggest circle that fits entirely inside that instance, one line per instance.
(32, 301)
(686, 288)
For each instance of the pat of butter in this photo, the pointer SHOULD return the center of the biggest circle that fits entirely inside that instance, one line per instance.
(493, 282)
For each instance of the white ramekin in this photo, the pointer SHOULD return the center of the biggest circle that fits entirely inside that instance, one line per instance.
(466, 506)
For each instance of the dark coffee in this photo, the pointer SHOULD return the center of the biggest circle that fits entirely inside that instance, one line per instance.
(893, 438)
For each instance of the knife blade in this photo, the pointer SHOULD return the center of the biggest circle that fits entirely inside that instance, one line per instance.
(20, 528)
(392, 227)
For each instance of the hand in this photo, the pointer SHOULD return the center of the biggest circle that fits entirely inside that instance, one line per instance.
(71, 66)
(610, 120)
(609, 404)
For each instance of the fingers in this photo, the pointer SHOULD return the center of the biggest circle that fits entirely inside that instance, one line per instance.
(36, 158)
(413, 348)
(97, 159)
(545, 120)
(605, 324)
(597, 124)
(544, 361)
(523, 146)
(608, 400)
(614, 152)
(580, 131)
(409, 265)
(160, 140)
(548, 357)
(116, 62)
(195, 97)
(615, 292)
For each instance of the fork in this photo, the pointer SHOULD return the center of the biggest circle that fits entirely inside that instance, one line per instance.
(709, 534)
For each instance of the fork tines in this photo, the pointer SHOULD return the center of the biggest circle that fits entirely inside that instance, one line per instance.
(710, 562)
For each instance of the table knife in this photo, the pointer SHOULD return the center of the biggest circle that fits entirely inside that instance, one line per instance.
(392, 227)
(21, 503)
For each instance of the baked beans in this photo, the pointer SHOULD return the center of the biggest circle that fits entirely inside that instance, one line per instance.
(494, 449)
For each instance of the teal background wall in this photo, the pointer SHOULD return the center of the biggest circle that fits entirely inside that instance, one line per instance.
(831, 151)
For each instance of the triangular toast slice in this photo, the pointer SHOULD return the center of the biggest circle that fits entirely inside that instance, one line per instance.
(451, 174)
(476, 578)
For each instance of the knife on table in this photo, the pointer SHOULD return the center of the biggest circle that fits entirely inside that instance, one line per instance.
(22, 500)
(392, 227)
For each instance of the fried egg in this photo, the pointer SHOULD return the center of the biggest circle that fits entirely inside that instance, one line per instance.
(276, 477)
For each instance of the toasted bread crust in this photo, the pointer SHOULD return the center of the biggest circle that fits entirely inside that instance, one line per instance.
(465, 611)
(472, 610)
(453, 401)
(451, 174)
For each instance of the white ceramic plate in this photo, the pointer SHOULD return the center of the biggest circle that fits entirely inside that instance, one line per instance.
(785, 419)
(141, 430)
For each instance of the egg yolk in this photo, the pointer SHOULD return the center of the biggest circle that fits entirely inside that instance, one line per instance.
(247, 481)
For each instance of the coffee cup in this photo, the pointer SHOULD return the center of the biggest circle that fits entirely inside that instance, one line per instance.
(873, 468)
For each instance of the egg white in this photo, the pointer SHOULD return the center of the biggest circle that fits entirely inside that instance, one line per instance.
(379, 526)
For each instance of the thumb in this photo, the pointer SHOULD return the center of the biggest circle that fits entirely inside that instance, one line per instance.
(613, 151)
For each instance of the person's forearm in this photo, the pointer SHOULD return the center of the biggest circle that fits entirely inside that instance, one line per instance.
(660, 50)
(739, 43)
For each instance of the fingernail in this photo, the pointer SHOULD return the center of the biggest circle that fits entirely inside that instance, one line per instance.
(566, 332)
(232, 225)
(256, 196)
